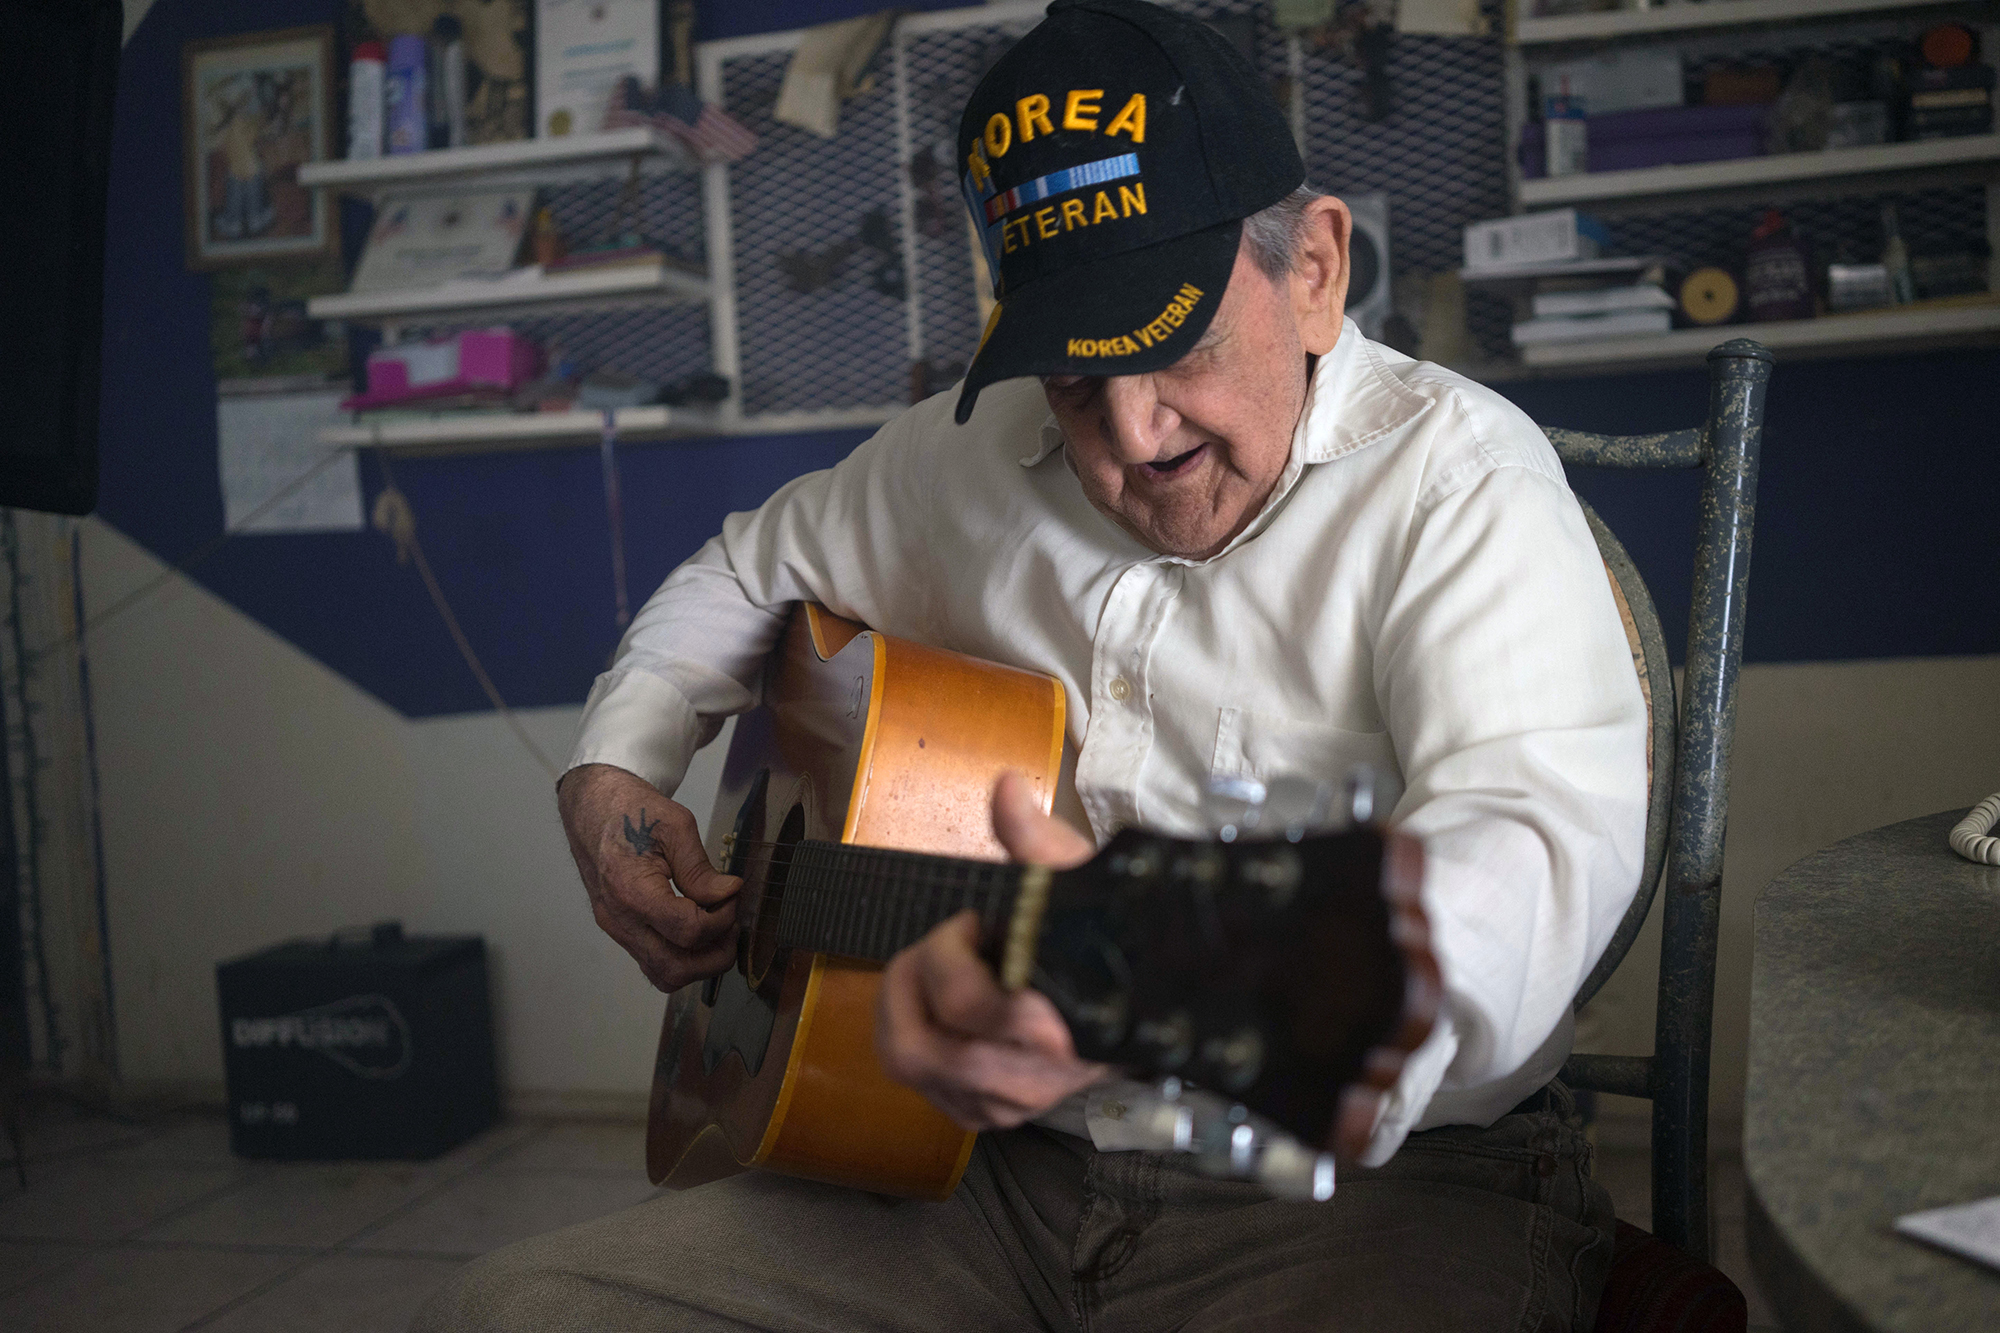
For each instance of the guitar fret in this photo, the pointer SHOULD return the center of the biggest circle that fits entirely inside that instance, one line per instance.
(870, 902)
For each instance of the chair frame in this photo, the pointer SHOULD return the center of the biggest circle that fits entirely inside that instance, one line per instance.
(1691, 760)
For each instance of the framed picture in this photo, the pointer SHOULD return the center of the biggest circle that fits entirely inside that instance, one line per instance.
(256, 106)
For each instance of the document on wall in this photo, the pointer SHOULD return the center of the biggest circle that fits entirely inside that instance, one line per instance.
(582, 49)
(267, 443)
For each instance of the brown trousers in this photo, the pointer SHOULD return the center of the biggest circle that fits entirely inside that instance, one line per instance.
(1480, 1230)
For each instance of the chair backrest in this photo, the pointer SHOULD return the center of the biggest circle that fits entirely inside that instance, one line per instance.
(1689, 805)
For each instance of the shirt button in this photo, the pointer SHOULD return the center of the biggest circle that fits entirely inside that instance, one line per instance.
(1120, 690)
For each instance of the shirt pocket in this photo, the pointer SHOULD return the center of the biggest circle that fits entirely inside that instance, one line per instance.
(1266, 746)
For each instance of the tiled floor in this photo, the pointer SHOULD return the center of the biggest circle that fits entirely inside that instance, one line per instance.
(153, 1227)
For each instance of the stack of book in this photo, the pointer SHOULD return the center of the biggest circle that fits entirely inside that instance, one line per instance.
(1602, 312)
(1946, 103)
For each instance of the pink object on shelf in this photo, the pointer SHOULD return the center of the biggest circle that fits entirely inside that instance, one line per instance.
(498, 360)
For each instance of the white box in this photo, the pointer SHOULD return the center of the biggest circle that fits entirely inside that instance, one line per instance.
(1536, 238)
(1623, 81)
(582, 49)
(1567, 141)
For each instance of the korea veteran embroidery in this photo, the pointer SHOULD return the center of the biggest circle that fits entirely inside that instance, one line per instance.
(1108, 160)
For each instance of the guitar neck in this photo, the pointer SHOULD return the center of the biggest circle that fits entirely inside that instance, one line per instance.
(868, 902)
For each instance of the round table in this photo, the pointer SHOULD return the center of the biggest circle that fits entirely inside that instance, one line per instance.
(1874, 1085)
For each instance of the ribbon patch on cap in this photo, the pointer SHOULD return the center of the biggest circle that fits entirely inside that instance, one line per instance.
(1122, 167)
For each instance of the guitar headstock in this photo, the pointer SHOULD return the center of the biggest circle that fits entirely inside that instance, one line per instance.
(1291, 973)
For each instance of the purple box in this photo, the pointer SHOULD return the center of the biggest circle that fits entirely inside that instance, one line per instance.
(1658, 137)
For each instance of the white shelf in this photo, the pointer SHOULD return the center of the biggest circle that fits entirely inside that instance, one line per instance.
(526, 292)
(1569, 268)
(522, 430)
(1682, 17)
(498, 432)
(1873, 329)
(544, 159)
(1704, 177)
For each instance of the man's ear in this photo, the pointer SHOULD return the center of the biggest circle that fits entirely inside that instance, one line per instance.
(1319, 274)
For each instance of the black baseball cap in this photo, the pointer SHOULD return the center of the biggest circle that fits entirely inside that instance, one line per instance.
(1109, 160)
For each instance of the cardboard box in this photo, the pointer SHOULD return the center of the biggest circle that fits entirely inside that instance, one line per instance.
(1534, 238)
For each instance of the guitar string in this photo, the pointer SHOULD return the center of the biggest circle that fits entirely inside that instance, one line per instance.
(926, 892)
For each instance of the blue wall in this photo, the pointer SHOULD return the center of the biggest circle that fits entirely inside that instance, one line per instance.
(1875, 532)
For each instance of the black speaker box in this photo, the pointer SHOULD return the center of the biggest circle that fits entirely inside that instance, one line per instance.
(376, 1047)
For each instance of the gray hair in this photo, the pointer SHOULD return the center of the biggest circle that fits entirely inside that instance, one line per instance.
(1275, 234)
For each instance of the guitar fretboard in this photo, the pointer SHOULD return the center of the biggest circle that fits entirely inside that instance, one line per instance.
(867, 902)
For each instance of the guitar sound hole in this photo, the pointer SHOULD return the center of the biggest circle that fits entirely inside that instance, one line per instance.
(771, 902)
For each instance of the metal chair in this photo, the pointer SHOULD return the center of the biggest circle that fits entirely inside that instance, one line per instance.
(1687, 812)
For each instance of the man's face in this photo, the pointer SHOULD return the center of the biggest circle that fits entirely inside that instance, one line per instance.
(1184, 458)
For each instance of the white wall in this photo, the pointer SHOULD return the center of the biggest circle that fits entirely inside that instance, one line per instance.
(250, 794)
(1823, 751)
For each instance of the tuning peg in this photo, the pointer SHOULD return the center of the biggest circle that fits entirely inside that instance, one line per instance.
(1297, 805)
(1233, 806)
(1359, 802)
(1292, 1171)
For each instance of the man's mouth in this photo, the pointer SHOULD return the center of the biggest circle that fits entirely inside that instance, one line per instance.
(1177, 464)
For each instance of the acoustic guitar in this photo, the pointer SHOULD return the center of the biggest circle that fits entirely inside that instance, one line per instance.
(1288, 976)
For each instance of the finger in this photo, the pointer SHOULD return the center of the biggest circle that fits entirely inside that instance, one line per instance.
(665, 965)
(904, 1041)
(1028, 833)
(686, 924)
(640, 886)
(679, 840)
(958, 990)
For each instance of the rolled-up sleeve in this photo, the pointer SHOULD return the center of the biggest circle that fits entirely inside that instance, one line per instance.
(1503, 670)
(846, 537)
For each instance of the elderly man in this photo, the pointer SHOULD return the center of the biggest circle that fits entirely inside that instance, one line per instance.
(1247, 541)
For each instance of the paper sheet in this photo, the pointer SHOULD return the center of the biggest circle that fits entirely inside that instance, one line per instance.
(1441, 18)
(1970, 1229)
(265, 442)
(829, 66)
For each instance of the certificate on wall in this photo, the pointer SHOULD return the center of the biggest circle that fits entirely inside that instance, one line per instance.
(423, 240)
(582, 49)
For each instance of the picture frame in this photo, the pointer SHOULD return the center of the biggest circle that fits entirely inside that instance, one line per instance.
(255, 106)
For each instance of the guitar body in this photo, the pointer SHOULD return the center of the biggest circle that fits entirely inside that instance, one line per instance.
(862, 739)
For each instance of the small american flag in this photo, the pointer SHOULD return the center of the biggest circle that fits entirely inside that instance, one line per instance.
(710, 133)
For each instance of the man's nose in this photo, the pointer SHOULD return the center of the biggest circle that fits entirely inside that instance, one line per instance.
(1137, 424)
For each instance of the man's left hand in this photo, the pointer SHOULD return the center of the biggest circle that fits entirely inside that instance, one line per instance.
(986, 1058)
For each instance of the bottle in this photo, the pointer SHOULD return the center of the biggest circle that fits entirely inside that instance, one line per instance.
(405, 96)
(447, 83)
(1777, 276)
(1566, 133)
(1896, 259)
(364, 99)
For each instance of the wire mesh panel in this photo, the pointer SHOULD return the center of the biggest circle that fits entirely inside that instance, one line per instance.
(1847, 229)
(817, 235)
(828, 320)
(941, 68)
(1438, 154)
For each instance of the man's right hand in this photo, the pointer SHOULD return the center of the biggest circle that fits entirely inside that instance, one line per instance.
(633, 846)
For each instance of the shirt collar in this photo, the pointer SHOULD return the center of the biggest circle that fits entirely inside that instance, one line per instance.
(1051, 441)
(1352, 402)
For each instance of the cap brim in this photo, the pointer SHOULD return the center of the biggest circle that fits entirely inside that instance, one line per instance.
(1127, 314)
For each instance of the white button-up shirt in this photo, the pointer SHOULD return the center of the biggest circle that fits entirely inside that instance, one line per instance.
(1420, 594)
